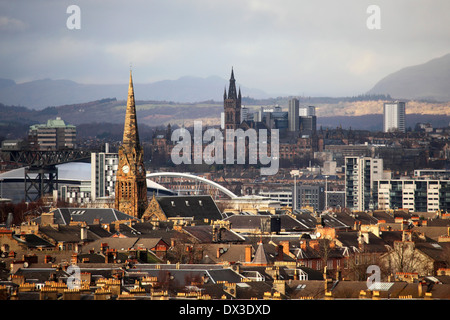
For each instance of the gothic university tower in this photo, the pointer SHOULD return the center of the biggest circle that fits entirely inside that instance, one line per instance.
(131, 183)
(232, 105)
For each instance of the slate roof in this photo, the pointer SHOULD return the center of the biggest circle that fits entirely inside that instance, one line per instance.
(252, 221)
(63, 216)
(244, 290)
(197, 207)
(186, 273)
(297, 289)
(260, 255)
(33, 241)
(350, 239)
(40, 275)
(204, 234)
(390, 236)
(434, 250)
(120, 244)
(383, 215)
(432, 232)
(332, 221)
(66, 233)
(306, 218)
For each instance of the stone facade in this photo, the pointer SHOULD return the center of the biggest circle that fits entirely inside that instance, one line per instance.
(131, 184)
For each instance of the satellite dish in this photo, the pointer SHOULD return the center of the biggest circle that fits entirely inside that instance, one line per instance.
(25, 264)
(318, 234)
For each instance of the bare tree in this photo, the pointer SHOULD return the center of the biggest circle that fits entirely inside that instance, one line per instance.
(404, 257)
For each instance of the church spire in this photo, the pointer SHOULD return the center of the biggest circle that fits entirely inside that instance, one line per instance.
(232, 89)
(131, 185)
(130, 131)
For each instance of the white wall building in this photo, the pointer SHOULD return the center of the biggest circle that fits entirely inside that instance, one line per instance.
(103, 174)
(394, 117)
(360, 174)
(417, 195)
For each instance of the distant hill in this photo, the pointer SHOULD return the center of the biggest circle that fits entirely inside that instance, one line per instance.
(44, 93)
(356, 114)
(428, 81)
(374, 122)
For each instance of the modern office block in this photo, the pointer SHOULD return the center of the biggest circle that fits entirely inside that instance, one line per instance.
(53, 135)
(310, 196)
(293, 120)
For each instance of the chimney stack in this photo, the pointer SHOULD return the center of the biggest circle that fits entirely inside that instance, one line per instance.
(248, 253)
(47, 218)
(83, 232)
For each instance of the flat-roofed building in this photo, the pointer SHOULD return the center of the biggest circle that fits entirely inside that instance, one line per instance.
(53, 135)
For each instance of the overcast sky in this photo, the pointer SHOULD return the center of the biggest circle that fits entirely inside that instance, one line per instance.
(298, 47)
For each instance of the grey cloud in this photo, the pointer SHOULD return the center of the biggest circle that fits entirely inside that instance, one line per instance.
(283, 46)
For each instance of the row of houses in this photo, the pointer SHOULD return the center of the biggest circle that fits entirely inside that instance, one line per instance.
(277, 254)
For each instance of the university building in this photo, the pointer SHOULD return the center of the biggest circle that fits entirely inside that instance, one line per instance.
(53, 135)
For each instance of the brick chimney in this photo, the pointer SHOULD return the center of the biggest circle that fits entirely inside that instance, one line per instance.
(47, 218)
(248, 253)
(285, 246)
(280, 286)
(280, 252)
(420, 289)
(83, 232)
(364, 236)
(103, 247)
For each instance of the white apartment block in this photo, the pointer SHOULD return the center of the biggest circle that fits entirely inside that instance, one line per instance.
(417, 195)
(394, 117)
(103, 174)
(360, 174)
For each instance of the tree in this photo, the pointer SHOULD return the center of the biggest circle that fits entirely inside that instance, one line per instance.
(404, 257)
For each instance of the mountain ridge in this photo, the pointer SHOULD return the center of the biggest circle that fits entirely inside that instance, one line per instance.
(42, 93)
(427, 81)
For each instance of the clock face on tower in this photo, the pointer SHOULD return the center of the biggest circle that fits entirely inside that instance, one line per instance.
(125, 169)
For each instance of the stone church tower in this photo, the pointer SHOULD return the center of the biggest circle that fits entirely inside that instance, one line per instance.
(131, 183)
(232, 105)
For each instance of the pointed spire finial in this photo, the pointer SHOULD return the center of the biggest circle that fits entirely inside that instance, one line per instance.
(232, 88)
(130, 134)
